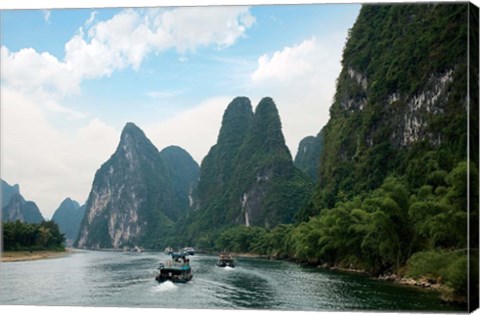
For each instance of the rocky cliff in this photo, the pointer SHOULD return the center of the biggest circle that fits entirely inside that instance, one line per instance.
(308, 154)
(8, 191)
(15, 207)
(217, 167)
(132, 201)
(248, 177)
(401, 99)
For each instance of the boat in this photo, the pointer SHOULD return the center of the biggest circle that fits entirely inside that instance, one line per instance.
(176, 270)
(168, 251)
(134, 249)
(189, 250)
(225, 260)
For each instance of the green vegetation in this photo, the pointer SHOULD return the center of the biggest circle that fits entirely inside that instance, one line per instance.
(139, 191)
(183, 172)
(441, 266)
(247, 178)
(308, 155)
(392, 194)
(383, 231)
(391, 163)
(19, 236)
(382, 121)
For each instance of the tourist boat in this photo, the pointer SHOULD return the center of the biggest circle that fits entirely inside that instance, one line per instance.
(168, 251)
(189, 250)
(176, 270)
(225, 260)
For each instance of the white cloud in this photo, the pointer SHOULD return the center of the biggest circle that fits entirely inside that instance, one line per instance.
(46, 15)
(49, 164)
(90, 19)
(287, 64)
(302, 80)
(30, 71)
(189, 28)
(123, 41)
(96, 134)
(130, 35)
(195, 129)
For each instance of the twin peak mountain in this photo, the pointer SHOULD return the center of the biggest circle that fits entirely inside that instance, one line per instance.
(143, 197)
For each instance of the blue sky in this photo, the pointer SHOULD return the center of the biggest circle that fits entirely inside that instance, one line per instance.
(72, 78)
(172, 79)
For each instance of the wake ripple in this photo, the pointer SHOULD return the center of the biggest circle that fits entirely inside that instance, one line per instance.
(165, 286)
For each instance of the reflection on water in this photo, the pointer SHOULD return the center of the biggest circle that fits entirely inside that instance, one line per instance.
(94, 278)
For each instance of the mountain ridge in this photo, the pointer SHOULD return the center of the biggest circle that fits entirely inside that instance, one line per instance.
(68, 217)
(15, 207)
(129, 196)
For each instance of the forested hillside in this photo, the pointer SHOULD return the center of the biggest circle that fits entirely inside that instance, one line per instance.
(392, 194)
(401, 100)
(247, 178)
(308, 155)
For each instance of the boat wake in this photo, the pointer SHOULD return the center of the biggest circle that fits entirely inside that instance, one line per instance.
(165, 286)
(228, 268)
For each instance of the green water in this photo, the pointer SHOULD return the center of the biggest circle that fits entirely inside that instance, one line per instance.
(95, 278)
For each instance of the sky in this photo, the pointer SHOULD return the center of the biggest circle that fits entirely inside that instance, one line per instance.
(72, 78)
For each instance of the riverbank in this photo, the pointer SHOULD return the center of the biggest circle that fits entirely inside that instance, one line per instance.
(248, 255)
(12, 256)
(447, 295)
(395, 278)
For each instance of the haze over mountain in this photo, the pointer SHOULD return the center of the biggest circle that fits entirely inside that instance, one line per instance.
(184, 172)
(68, 216)
(15, 207)
(308, 155)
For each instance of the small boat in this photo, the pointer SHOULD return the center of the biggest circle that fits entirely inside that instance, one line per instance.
(168, 251)
(189, 250)
(176, 270)
(225, 260)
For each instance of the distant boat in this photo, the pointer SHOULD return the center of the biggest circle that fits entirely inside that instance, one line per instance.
(225, 260)
(189, 250)
(176, 270)
(135, 249)
(168, 251)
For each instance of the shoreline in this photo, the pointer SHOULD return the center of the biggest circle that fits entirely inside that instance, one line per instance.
(248, 255)
(422, 283)
(446, 294)
(12, 256)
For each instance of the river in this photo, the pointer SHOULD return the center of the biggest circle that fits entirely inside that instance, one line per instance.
(103, 278)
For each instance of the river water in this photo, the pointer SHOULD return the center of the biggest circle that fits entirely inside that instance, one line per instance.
(100, 278)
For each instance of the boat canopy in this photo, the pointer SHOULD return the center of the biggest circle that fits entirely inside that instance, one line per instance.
(179, 255)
